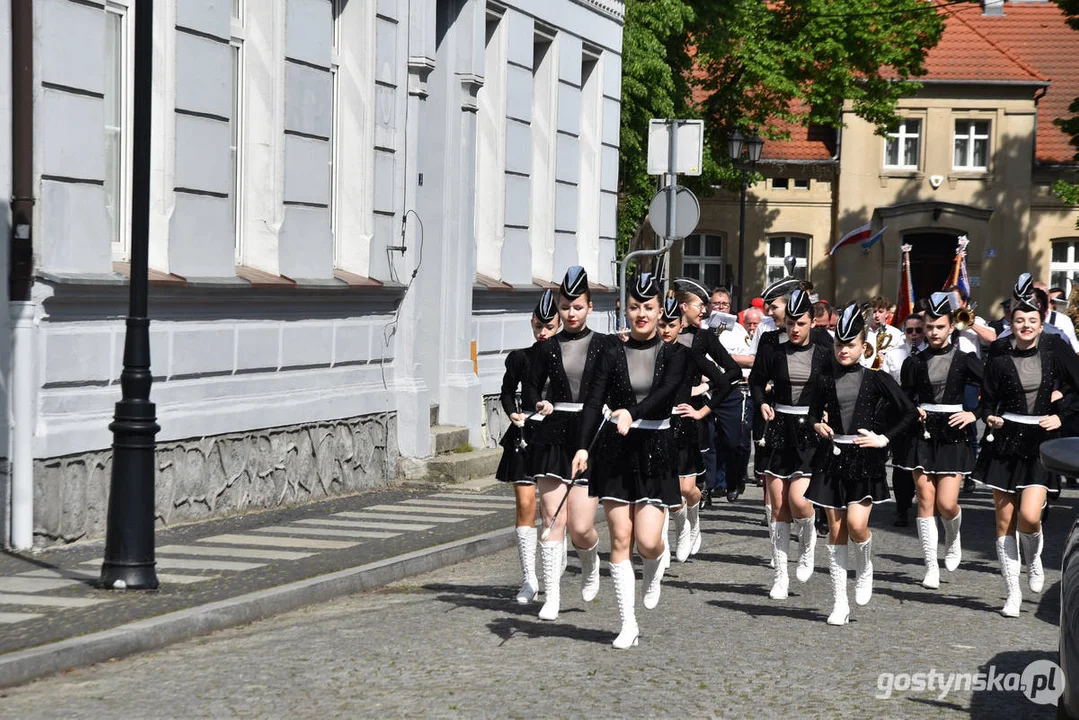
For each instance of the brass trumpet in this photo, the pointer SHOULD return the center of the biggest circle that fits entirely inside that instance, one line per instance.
(964, 319)
(883, 342)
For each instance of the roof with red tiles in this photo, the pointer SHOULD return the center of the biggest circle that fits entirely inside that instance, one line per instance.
(1030, 44)
(1037, 33)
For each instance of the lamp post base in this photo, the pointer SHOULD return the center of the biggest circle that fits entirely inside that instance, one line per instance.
(128, 576)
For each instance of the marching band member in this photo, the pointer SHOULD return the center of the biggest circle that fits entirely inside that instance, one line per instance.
(567, 363)
(878, 323)
(1027, 375)
(785, 458)
(633, 470)
(864, 411)
(512, 468)
(711, 360)
(939, 456)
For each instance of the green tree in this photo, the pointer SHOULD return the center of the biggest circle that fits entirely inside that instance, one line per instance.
(753, 63)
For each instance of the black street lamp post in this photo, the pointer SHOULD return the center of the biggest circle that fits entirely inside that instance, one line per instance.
(735, 147)
(129, 535)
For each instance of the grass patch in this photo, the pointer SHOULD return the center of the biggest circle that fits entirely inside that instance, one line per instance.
(464, 447)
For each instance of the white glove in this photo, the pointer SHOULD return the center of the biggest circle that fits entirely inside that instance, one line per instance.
(870, 439)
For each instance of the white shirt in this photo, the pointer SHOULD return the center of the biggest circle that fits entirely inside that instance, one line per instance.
(735, 340)
(1062, 321)
(893, 360)
(767, 325)
(871, 338)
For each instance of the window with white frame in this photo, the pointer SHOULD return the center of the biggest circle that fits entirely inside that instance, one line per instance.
(702, 259)
(118, 119)
(779, 247)
(971, 145)
(902, 145)
(236, 133)
(1064, 265)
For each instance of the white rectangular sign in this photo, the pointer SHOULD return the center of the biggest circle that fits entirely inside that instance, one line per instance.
(690, 150)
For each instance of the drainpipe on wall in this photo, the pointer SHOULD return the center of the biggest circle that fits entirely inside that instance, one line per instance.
(21, 278)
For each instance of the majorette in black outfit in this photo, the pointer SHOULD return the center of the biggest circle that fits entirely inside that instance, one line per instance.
(512, 468)
(1031, 383)
(563, 368)
(709, 358)
(789, 443)
(631, 458)
(865, 410)
(939, 452)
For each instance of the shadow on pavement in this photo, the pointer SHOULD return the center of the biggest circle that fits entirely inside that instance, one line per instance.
(508, 628)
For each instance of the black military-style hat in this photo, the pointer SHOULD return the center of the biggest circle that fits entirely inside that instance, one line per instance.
(691, 286)
(575, 284)
(1023, 294)
(672, 309)
(851, 323)
(799, 304)
(546, 308)
(644, 287)
(939, 305)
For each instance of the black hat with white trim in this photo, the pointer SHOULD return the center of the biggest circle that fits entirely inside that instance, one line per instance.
(939, 305)
(546, 309)
(692, 286)
(644, 287)
(575, 284)
(1023, 292)
(851, 323)
(780, 288)
(799, 304)
(672, 309)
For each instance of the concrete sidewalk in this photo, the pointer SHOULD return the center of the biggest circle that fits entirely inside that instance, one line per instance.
(227, 572)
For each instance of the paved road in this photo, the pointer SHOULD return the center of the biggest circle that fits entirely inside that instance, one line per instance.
(451, 643)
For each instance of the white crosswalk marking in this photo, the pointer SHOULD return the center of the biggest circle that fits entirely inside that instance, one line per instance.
(184, 579)
(437, 509)
(171, 563)
(328, 532)
(9, 618)
(47, 600)
(368, 515)
(280, 542)
(70, 573)
(507, 501)
(231, 552)
(32, 585)
(364, 524)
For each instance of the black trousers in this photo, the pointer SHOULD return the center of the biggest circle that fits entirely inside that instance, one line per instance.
(734, 442)
(903, 487)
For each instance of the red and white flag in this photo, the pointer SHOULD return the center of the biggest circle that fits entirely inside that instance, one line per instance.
(855, 237)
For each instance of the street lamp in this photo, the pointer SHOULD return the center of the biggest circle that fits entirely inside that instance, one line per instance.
(129, 532)
(752, 147)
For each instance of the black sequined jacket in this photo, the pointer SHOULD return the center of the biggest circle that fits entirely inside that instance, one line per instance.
(518, 367)
(882, 407)
(965, 369)
(770, 366)
(547, 370)
(711, 360)
(611, 386)
(1002, 392)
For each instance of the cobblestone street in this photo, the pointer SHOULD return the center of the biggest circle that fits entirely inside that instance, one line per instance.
(453, 643)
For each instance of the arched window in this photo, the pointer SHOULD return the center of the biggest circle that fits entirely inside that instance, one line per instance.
(702, 259)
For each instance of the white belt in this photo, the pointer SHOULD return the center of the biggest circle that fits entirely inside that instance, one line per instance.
(663, 424)
(934, 408)
(568, 407)
(845, 439)
(1021, 419)
(792, 409)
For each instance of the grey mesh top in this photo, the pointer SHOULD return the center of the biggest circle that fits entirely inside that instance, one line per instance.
(1030, 376)
(799, 368)
(685, 339)
(574, 353)
(847, 386)
(938, 366)
(642, 368)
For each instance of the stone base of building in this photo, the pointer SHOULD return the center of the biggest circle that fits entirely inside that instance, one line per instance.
(209, 477)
